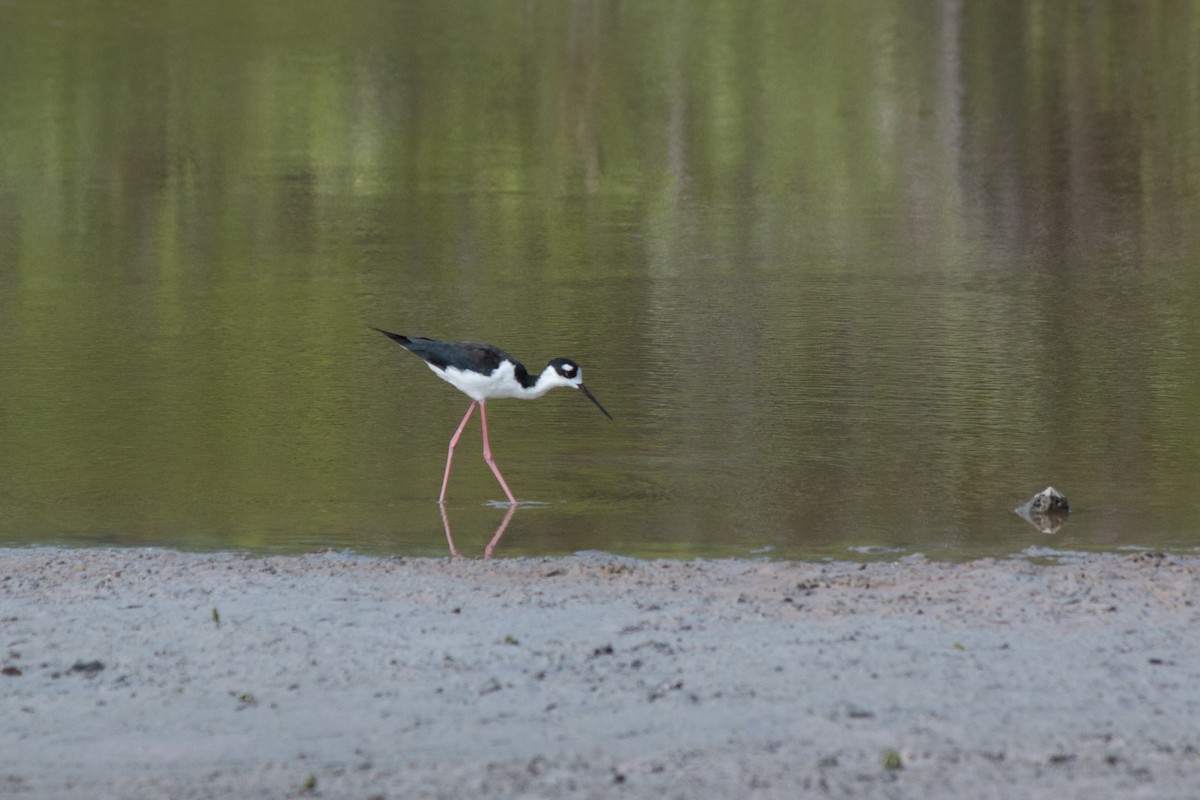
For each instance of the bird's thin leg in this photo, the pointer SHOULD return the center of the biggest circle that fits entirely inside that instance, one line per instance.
(454, 443)
(487, 454)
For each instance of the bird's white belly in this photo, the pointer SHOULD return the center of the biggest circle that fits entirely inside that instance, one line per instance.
(501, 383)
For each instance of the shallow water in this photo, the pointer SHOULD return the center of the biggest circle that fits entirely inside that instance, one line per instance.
(852, 281)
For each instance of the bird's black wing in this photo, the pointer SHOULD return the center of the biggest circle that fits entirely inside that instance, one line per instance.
(482, 358)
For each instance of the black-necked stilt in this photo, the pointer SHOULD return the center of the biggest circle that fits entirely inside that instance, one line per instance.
(482, 372)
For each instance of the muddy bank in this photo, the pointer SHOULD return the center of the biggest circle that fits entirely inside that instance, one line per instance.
(150, 673)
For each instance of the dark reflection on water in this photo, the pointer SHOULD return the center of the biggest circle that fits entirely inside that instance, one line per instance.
(853, 281)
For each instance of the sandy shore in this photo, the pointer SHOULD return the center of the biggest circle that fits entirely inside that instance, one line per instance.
(342, 676)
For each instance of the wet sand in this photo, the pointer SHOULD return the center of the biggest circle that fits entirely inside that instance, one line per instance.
(343, 676)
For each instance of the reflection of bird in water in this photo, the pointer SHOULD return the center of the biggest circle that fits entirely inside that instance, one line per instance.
(491, 545)
(483, 372)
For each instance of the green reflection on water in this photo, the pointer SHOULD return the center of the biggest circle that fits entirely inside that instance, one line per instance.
(846, 274)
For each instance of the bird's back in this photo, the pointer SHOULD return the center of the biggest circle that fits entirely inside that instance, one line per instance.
(473, 356)
(464, 356)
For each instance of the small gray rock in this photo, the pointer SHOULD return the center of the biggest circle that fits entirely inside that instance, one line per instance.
(1049, 500)
(1047, 510)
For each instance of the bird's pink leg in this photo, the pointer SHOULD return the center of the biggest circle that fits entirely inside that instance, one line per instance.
(487, 454)
(454, 443)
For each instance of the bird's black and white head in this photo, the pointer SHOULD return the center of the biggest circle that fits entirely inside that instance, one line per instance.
(566, 373)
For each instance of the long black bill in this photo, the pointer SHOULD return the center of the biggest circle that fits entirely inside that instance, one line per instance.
(583, 389)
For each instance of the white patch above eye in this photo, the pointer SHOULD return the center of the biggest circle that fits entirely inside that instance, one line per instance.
(567, 368)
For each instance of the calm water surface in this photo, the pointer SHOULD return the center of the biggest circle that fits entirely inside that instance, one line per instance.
(853, 279)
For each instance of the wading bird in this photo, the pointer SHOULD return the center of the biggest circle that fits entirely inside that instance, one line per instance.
(483, 372)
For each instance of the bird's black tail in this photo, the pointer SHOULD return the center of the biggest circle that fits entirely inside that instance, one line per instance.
(395, 337)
